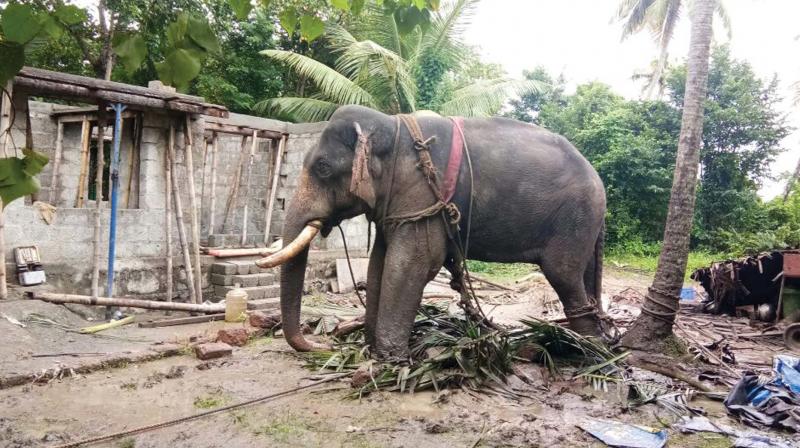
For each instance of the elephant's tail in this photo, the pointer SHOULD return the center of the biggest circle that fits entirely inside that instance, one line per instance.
(593, 276)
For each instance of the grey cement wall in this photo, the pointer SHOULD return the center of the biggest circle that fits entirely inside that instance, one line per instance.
(66, 244)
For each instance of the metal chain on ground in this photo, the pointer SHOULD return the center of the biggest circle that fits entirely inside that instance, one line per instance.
(176, 421)
(668, 316)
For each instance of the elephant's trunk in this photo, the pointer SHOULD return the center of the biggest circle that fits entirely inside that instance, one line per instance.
(292, 276)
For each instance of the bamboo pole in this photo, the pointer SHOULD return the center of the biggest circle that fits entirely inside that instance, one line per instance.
(235, 184)
(206, 145)
(133, 166)
(212, 206)
(86, 138)
(130, 303)
(189, 150)
(176, 196)
(253, 146)
(230, 253)
(98, 221)
(3, 280)
(107, 326)
(56, 162)
(168, 219)
(274, 189)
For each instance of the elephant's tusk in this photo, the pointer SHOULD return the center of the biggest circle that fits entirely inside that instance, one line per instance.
(292, 249)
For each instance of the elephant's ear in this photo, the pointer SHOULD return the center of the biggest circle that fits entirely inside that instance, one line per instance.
(361, 180)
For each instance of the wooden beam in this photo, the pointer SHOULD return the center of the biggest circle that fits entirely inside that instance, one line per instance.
(253, 147)
(79, 114)
(130, 303)
(89, 89)
(168, 219)
(98, 217)
(188, 147)
(86, 137)
(176, 196)
(225, 128)
(212, 206)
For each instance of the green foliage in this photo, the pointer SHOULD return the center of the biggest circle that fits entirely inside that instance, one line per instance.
(18, 176)
(632, 145)
(379, 65)
(131, 50)
(500, 271)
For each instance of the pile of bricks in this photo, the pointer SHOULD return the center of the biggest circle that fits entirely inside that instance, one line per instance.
(258, 283)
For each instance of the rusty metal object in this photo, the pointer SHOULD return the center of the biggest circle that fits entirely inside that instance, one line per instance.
(791, 264)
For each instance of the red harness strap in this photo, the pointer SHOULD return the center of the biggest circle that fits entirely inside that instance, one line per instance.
(454, 163)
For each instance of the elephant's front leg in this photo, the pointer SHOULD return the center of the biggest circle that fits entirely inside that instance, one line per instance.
(374, 278)
(414, 254)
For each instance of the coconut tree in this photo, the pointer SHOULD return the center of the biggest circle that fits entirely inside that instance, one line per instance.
(654, 325)
(660, 17)
(381, 65)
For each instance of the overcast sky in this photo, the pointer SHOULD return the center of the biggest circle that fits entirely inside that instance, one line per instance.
(579, 39)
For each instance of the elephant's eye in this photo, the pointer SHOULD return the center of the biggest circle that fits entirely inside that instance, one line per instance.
(322, 168)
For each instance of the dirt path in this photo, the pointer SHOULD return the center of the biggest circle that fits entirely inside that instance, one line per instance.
(131, 395)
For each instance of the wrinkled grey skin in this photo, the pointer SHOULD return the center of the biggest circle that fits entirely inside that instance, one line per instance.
(536, 200)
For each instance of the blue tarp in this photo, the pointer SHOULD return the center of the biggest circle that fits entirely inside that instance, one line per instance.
(768, 402)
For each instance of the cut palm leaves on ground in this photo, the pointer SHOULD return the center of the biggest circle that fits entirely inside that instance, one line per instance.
(449, 350)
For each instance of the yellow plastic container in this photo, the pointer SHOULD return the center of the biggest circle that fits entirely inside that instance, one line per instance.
(235, 305)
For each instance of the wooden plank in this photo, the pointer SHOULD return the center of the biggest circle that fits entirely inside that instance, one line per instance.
(188, 148)
(182, 321)
(273, 190)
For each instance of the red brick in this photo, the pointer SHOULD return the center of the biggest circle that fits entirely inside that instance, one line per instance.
(212, 350)
(260, 319)
(233, 336)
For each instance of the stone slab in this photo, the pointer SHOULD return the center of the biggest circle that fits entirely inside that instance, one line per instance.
(343, 279)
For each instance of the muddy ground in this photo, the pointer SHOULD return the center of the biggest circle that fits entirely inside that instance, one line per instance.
(169, 382)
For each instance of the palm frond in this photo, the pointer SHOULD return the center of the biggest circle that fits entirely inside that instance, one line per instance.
(722, 13)
(443, 38)
(334, 85)
(296, 109)
(486, 97)
(634, 15)
(380, 71)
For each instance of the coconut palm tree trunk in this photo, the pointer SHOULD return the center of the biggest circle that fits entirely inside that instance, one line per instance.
(662, 302)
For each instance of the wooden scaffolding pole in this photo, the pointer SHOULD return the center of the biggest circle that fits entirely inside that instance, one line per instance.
(168, 220)
(206, 145)
(5, 125)
(237, 176)
(247, 186)
(212, 205)
(176, 196)
(131, 303)
(273, 190)
(86, 138)
(189, 150)
(56, 162)
(98, 193)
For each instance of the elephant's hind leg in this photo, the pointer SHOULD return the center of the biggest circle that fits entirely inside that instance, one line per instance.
(565, 273)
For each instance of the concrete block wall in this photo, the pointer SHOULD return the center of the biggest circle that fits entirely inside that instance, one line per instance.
(66, 244)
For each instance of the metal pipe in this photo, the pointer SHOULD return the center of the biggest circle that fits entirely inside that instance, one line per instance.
(114, 174)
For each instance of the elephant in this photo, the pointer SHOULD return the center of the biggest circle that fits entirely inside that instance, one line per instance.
(525, 195)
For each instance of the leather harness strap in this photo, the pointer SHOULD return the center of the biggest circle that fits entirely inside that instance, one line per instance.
(425, 164)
